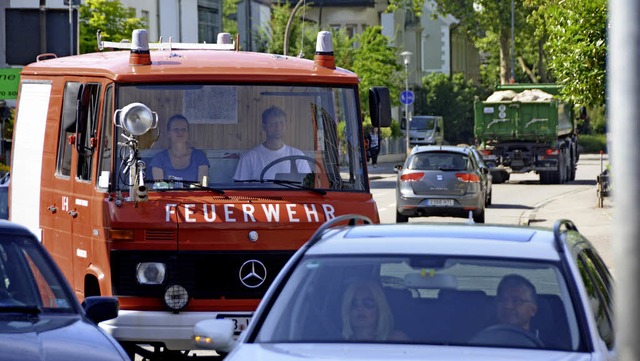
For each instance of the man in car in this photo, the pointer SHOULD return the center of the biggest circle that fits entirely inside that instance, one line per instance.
(253, 163)
(517, 303)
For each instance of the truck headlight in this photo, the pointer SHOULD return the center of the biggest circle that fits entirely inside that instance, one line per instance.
(151, 273)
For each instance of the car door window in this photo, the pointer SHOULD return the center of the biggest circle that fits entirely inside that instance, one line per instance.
(597, 281)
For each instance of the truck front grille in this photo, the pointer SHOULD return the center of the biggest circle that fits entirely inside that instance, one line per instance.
(206, 274)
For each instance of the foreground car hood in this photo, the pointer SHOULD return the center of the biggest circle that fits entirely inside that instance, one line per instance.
(307, 352)
(56, 339)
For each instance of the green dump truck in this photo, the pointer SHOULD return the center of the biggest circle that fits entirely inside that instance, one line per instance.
(525, 128)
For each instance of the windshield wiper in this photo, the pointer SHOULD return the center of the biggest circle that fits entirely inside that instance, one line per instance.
(296, 185)
(30, 310)
(163, 185)
(286, 183)
(197, 185)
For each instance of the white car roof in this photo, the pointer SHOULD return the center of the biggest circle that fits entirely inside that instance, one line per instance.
(444, 239)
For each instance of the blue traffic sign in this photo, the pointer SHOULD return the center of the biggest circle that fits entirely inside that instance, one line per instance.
(406, 97)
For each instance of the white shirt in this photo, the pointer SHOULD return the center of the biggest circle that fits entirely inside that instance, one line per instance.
(253, 162)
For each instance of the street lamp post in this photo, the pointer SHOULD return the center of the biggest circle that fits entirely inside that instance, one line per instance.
(406, 55)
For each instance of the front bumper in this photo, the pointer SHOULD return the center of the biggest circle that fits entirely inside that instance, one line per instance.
(174, 330)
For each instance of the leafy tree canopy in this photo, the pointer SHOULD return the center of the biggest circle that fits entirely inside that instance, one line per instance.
(376, 63)
(229, 20)
(114, 21)
(577, 47)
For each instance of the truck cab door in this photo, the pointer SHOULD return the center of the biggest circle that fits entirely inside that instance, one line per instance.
(57, 188)
(73, 230)
(85, 204)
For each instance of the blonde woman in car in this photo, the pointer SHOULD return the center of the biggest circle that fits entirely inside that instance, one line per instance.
(366, 315)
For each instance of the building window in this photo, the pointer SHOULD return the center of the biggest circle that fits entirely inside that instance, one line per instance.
(209, 20)
(351, 30)
(144, 14)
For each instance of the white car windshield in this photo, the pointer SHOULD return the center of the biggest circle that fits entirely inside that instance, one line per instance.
(425, 300)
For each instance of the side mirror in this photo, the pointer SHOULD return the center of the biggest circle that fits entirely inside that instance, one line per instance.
(101, 308)
(380, 107)
(397, 168)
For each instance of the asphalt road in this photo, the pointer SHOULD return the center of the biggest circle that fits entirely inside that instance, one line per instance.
(523, 200)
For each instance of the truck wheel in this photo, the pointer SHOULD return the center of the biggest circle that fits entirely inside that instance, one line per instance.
(497, 178)
(572, 170)
(545, 177)
(400, 218)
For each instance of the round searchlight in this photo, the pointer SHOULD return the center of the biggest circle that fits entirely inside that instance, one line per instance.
(136, 118)
(176, 297)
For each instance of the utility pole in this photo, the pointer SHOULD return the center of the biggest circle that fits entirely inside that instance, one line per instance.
(406, 55)
(624, 111)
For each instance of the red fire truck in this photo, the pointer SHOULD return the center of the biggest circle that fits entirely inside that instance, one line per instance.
(177, 249)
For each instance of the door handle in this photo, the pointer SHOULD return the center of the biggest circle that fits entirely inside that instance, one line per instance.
(52, 209)
(73, 214)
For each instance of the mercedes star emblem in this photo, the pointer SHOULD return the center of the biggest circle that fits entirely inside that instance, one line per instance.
(253, 273)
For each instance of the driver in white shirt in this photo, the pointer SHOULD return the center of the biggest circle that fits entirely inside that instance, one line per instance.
(252, 163)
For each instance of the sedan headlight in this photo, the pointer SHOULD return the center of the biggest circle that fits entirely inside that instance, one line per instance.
(151, 273)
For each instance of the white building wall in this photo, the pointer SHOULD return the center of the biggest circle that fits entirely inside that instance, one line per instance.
(436, 37)
(179, 20)
(252, 16)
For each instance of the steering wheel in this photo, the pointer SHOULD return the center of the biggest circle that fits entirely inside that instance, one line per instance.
(507, 334)
(292, 159)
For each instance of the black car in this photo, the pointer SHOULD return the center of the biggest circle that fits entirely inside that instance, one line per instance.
(40, 316)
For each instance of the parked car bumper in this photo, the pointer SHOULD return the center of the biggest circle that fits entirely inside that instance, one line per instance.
(419, 206)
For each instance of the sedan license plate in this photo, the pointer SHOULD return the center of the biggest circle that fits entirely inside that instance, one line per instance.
(440, 202)
(240, 322)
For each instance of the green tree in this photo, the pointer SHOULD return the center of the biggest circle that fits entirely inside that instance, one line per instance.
(414, 6)
(451, 97)
(302, 35)
(229, 22)
(376, 63)
(114, 21)
(577, 47)
(488, 23)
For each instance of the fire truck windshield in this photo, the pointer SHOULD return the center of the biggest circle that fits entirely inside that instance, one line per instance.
(244, 136)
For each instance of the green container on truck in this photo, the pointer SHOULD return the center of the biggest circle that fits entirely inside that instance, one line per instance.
(525, 128)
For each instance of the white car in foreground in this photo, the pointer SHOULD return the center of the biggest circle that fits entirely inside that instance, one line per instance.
(434, 292)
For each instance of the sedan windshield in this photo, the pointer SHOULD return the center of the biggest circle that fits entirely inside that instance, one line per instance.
(425, 300)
